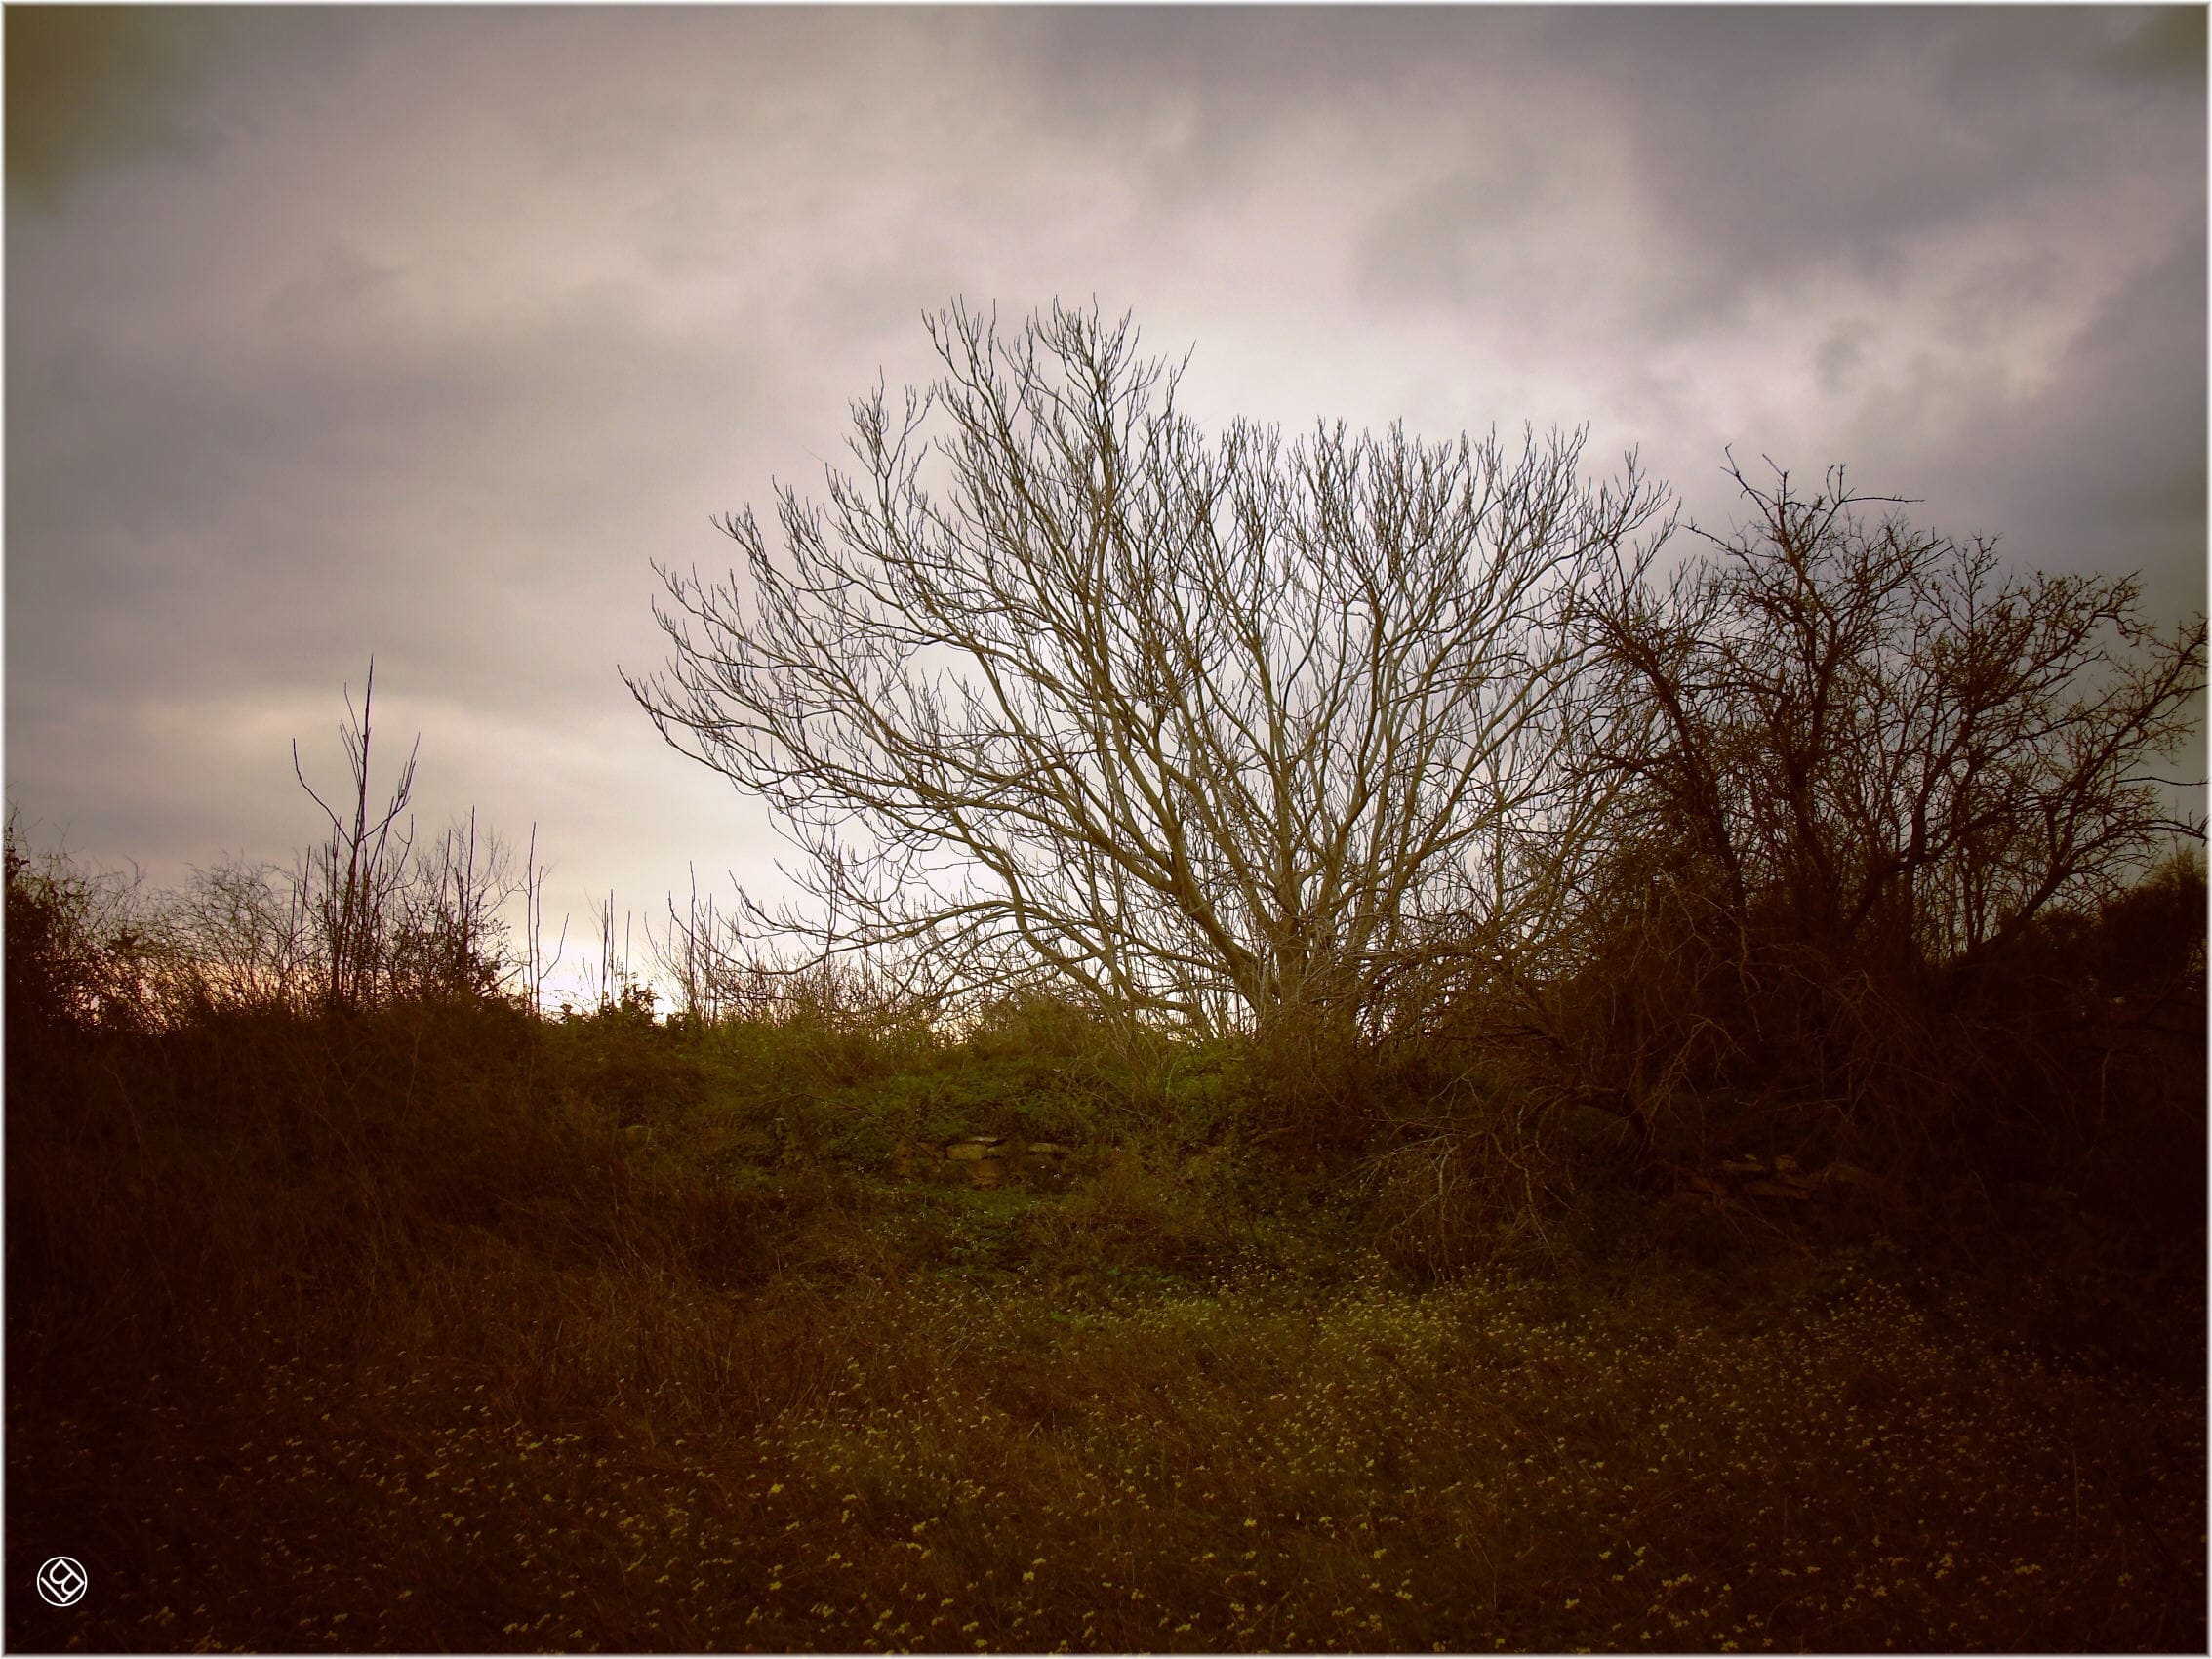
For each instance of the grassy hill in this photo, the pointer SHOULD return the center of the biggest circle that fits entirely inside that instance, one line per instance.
(444, 1327)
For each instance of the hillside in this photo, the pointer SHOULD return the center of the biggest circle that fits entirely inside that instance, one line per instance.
(444, 1327)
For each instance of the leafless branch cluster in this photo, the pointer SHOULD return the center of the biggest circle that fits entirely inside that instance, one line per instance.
(363, 918)
(1851, 761)
(723, 966)
(1056, 690)
(1878, 735)
(350, 882)
(374, 920)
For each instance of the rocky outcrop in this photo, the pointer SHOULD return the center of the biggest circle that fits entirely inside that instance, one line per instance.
(1785, 1181)
(983, 1161)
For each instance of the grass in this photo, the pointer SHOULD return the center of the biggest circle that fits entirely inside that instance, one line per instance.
(446, 1332)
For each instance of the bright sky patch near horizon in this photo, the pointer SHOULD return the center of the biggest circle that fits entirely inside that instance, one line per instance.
(421, 331)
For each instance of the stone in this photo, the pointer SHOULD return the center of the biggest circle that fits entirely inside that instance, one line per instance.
(1746, 1165)
(968, 1152)
(1858, 1180)
(1774, 1189)
(1851, 1175)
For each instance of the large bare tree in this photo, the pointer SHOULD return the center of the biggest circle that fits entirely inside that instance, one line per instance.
(1056, 689)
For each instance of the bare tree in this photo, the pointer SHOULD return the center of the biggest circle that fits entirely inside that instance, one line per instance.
(84, 944)
(1057, 689)
(1854, 760)
(450, 937)
(691, 958)
(239, 939)
(351, 879)
(537, 965)
(1882, 740)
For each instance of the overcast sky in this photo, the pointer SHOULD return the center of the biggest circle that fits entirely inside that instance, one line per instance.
(421, 331)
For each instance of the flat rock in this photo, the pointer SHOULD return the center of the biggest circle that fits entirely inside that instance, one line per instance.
(1851, 1175)
(1774, 1189)
(1860, 1181)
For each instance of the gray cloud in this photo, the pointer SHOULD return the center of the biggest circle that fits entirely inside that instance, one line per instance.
(1738, 151)
(2099, 468)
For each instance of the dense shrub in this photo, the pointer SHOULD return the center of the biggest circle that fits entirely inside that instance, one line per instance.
(78, 946)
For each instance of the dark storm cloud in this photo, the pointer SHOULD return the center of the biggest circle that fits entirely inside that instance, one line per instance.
(1928, 191)
(2167, 45)
(1746, 149)
(91, 88)
(2100, 469)
(88, 87)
